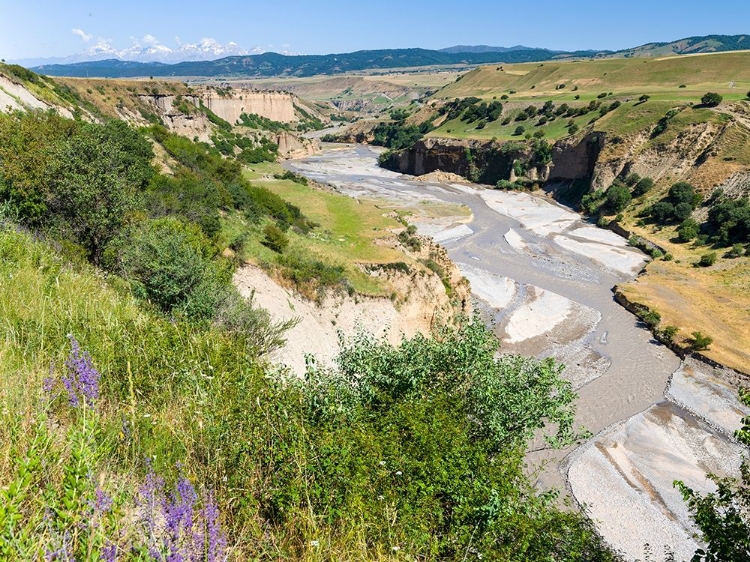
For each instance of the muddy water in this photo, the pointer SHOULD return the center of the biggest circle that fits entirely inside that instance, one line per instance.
(544, 279)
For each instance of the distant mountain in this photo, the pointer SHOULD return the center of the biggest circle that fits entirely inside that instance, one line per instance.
(154, 60)
(274, 64)
(485, 49)
(690, 46)
(205, 50)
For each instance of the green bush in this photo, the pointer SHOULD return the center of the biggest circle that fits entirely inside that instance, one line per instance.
(652, 318)
(274, 238)
(669, 333)
(688, 230)
(618, 198)
(707, 260)
(701, 341)
(643, 186)
(168, 263)
(711, 99)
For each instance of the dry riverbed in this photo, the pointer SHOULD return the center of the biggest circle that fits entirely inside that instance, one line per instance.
(542, 278)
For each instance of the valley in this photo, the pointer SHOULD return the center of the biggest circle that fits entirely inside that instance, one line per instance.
(543, 280)
(383, 305)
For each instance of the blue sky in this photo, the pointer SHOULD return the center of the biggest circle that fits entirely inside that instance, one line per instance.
(41, 28)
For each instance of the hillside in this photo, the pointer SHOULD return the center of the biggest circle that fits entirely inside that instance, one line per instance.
(691, 46)
(273, 64)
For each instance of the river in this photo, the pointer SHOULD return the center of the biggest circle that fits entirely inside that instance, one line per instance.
(543, 279)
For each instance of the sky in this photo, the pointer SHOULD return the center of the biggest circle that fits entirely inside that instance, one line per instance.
(53, 28)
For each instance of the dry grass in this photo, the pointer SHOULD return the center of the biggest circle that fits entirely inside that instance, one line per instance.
(713, 300)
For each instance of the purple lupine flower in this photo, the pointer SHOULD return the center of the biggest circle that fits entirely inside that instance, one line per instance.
(109, 553)
(49, 383)
(82, 380)
(103, 502)
(215, 539)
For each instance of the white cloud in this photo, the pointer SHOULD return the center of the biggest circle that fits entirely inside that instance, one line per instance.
(150, 40)
(85, 37)
(177, 40)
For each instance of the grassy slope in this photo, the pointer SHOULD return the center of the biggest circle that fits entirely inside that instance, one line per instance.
(626, 79)
(346, 236)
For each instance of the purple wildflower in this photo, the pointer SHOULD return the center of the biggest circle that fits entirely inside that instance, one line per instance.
(103, 502)
(109, 553)
(215, 540)
(82, 380)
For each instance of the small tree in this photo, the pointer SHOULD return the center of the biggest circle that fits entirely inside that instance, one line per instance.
(701, 341)
(618, 198)
(711, 99)
(644, 98)
(519, 130)
(687, 231)
(669, 332)
(643, 187)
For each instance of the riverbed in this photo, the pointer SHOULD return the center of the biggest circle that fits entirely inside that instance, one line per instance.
(543, 279)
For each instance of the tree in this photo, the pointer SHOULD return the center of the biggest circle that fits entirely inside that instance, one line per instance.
(711, 99)
(519, 130)
(618, 198)
(644, 98)
(94, 179)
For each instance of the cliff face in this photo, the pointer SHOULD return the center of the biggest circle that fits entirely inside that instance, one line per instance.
(277, 106)
(484, 162)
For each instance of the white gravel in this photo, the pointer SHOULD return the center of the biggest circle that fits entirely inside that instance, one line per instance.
(619, 259)
(497, 291)
(537, 316)
(515, 241)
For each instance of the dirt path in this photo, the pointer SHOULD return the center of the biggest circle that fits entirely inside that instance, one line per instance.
(543, 278)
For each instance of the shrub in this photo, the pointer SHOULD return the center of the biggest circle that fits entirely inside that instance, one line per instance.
(688, 230)
(274, 238)
(707, 260)
(711, 99)
(572, 129)
(700, 341)
(643, 186)
(644, 98)
(632, 180)
(520, 130)
(669, 332)
(168, 263)
(652, 318)
(737, 251)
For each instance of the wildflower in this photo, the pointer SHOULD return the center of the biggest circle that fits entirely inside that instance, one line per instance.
(382, 463)
(314, 543)
(109, 553)
(395, 548)
(82, 380)
(398, 473)
(103, 502)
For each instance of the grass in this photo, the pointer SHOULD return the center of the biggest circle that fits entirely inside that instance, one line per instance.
(713, 300)
(348, 232)
(726, 73)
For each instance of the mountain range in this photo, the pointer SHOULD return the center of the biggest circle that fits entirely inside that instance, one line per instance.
(206, 49)
(242, 64)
